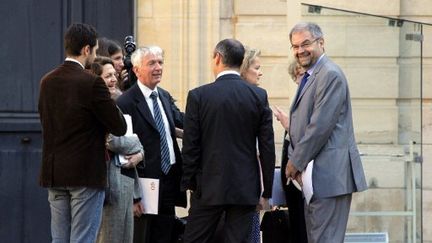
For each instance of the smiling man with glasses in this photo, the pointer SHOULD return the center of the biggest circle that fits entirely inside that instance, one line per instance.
(306, 44)
(322, 138)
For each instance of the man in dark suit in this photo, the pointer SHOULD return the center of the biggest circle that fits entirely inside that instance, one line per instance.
(76, 113)
(154, 118)
(224, 123)
(321, 130)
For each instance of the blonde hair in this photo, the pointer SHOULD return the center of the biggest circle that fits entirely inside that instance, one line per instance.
(250, 55)
(293, 69)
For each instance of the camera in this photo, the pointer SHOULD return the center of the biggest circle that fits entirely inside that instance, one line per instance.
(129, 44)
(129, 47)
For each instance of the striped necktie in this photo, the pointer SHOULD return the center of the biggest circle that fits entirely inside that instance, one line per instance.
(302, 84)
(165, 155)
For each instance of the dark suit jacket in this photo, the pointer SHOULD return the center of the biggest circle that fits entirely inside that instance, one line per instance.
(76, 113)
(133, 102)
(223, 122)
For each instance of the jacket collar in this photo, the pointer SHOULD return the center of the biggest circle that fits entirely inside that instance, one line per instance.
(143, 108)
(313, 73)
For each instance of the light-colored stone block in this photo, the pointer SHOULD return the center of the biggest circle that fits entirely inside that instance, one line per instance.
(379, 200)
(427, 123)
(388, 158)
(364, 73)
(257, 7)
(427, 37)
(411, 8)
(257, 35)
(427, 210)
(144, 9)
(358, 39)
(276, 80)
(375, 121)
(383, 7)
(427, 78)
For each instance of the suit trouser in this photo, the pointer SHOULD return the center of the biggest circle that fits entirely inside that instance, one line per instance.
(203, 220)
(76, 213)
(327, 218)
(154, 229)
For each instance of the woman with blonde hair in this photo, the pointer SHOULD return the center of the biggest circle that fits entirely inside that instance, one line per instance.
(250, 71)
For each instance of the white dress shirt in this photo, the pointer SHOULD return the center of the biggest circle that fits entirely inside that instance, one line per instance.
(74, 60)
(146, 91)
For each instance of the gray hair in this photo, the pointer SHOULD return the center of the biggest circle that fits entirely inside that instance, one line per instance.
(249, 57)
(312, 28)
(140, 53)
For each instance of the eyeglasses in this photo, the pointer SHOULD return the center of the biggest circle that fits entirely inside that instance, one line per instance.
(304, 45)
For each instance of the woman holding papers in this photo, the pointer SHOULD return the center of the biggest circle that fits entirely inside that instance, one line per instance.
(123, 187)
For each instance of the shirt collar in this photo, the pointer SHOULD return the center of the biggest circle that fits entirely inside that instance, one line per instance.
(70, 59)
(227, 72)
(146, 90)
(310, 70)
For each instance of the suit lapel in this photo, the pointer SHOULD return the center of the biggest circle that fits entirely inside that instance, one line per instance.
(309, 82)
(142, 106)
(167, 107)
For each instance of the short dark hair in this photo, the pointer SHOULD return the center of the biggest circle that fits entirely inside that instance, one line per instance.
(78, 36)
(232, 52)
(97, 66)
(108, 47)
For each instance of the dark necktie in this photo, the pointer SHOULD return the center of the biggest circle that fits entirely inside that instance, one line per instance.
(302, 84)
(165, 156)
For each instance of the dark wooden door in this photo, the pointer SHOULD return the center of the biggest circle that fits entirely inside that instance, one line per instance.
(31, 44)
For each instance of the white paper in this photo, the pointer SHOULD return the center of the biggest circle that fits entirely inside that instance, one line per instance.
(129, 132)
(150, 192)
(122, 159)
(295, 183)
(307, 182)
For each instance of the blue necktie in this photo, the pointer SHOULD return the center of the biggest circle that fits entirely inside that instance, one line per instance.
(302, 84)
(165, 155)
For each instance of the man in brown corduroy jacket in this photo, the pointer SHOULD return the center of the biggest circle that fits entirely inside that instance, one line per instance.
(76, 113)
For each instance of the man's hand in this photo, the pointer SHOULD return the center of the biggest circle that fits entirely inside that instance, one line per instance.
(263, 204)
(298, 178)
(282, 117)
(138, 209)
(123, 75)
(179, 132)
(133, 159)
(291, 171)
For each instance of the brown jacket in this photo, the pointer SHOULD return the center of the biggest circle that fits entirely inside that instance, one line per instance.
(76, 113)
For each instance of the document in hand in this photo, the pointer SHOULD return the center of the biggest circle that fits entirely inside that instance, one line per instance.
(150, 192)
(129, 132)
(307, 182)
